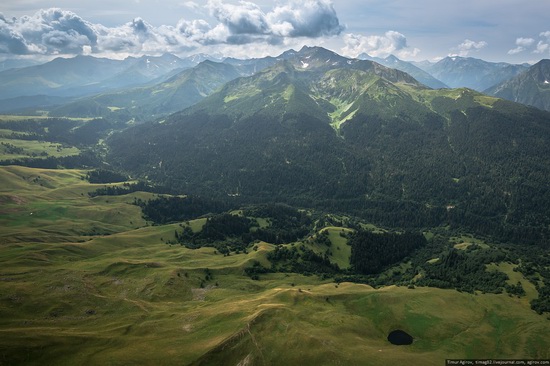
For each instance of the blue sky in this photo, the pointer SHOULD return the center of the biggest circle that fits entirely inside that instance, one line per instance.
(503, 30)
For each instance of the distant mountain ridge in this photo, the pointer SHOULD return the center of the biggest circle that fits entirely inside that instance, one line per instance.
(84, 75)
(531, 87)
(458, 72)
(149, 86)
(408, 67)
(178, 92)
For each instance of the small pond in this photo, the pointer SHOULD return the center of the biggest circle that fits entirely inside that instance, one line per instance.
(400, 338)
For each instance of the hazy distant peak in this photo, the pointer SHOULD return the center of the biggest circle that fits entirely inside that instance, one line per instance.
(392, 58)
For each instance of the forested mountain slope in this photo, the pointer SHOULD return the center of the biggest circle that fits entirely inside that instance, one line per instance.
(353, 135)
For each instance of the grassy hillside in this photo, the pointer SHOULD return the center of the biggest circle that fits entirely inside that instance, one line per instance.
(85, 281)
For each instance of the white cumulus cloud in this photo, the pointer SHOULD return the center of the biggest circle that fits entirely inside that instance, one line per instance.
(468, 46)
(306, 18)
(244, 18)
(50, 31)
(542, 45)
(56, 31)
(522, 44)
(391, 42)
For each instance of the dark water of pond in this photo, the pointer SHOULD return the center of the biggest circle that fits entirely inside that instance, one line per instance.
(400, 338)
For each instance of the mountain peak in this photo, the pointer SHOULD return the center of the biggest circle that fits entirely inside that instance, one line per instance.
(531, 87)
(542, 64)
(315, 58)
(392, 58)
(454, 59)
(318, 52)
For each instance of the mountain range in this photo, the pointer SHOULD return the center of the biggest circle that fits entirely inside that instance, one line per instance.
(85, 75)
(179, 91)
(415, 71)
(458, 72)
(531, 87)
(320, 129)
(108, 85)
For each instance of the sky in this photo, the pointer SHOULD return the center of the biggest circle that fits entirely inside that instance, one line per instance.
(494, 30)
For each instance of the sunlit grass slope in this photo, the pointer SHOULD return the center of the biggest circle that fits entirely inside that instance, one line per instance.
(85, 281)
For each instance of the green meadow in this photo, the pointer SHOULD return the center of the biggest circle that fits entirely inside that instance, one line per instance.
(17, 149)
(87, 281)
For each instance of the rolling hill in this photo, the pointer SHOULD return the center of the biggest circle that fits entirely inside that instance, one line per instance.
(86, 280)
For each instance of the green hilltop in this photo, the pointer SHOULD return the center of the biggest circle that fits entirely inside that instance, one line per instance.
(85, 280)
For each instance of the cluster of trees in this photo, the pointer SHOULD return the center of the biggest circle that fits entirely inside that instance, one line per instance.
(62, 130)
(256, 269)
(225, 231)
(370, 252)
(105, 176)
(466, 271)
(167, 209)
(237, 232)
(435, 264)
(285, 224)
(85, 160)
(534, 265)
(542, 303)
(11, 148)
(300, 259)
(126, 188)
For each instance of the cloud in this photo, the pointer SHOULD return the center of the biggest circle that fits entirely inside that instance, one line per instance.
(307, 18)
(245, 18)
(10, 41)
(55, 31)
(247, 23)
(522, 44)
(525, 42)
(542, 47)
(51, 31)
(140, 37)
(468, 46)
(195, 30)
(530, 44)
(391, 42)
(191, 5)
